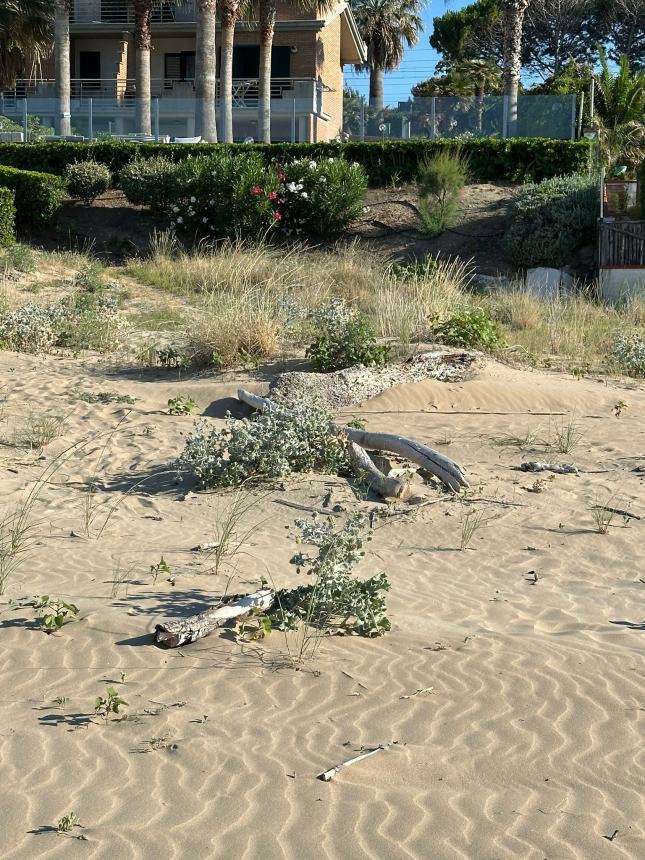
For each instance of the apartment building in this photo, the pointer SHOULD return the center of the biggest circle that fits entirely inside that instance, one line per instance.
(310, 50)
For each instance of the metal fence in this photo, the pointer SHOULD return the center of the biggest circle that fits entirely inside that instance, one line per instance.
(296, 107)
(455, 117)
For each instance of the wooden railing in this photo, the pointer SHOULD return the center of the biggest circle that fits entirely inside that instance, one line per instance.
(621, 244)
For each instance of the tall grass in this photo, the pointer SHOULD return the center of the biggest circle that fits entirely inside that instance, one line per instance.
(250, 302)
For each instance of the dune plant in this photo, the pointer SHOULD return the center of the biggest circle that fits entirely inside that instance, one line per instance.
(56, 613)
(108, 704)
(441, 179)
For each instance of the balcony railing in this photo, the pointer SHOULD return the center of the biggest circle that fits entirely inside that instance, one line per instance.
(306, 91)
(122, 12)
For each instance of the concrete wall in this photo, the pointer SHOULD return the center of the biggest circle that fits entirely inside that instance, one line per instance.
(619, 284)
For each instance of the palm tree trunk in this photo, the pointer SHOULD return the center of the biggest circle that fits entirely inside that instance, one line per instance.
(267, 25)
(479, 107)
(514, 11)
(205, 71)
(376, 87)
(229, 17)
(62, 68)
(142, 43)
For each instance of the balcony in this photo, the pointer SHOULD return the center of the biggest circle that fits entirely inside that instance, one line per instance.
(121, 12)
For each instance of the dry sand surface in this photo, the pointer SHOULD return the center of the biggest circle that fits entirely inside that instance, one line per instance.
(530, 742)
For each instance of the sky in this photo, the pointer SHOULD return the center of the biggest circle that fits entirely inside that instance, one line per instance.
(418, 64)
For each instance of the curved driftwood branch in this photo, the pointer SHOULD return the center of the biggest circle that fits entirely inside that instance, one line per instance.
(368, 473)
(174, 632)
(432, 461)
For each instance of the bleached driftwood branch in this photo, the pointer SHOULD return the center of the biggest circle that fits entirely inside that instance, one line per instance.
(174, 632)
(421, 455)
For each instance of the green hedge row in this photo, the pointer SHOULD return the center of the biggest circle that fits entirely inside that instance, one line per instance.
(641, 187)
(38, 196)
(7, 214)
(520, 159)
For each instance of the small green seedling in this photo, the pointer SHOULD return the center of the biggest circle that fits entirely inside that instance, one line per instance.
(103, 707)
(59, 613)
(61, 700)
(66, 823)
(181, 405)
(618, 408)
(161, 566)
(123, 676)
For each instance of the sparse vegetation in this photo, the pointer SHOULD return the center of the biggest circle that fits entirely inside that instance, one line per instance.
(67, 822)
(182, 404)
(108, 704)
(105, 397)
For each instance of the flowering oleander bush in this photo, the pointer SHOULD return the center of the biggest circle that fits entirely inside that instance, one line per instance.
(346, 340)
(80, 321)
(334, 598)
(271, 445)
(87, 180)
(227, 195)
(234, 194)
(628, 353)
(321, 197)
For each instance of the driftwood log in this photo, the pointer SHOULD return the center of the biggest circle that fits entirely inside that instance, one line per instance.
(432, 461)
(173, 632)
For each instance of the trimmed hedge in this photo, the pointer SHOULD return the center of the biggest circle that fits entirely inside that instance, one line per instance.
(7, 214)
(641, 187)
(38, 196)
(517, 159)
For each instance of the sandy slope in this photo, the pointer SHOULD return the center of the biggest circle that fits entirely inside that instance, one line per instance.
(529, 744)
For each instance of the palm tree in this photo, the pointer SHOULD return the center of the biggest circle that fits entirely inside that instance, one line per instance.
(514, 11)
(386, 27)
(229, 13)
(620, 103)
(267, 13)
(62, 82)
(205, 70)
(25, 31)
(142, 44)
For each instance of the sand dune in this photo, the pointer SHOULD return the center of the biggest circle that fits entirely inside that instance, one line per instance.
(530, 742)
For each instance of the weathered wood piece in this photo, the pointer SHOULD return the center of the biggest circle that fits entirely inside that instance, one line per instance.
(173, 632)
(432, 461)
(368, 473)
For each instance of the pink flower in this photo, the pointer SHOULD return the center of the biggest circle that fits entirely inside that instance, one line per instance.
(277, 216)
(255, 189)
(281, 201)
(273, 195)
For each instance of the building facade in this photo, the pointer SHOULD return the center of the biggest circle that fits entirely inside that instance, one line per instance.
(310, 49)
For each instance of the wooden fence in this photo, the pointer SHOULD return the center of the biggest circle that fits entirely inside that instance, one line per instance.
(621, 244)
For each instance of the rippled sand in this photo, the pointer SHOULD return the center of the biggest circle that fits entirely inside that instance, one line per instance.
(529, 745)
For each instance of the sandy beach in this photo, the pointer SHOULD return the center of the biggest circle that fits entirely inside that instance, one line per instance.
(509, 690)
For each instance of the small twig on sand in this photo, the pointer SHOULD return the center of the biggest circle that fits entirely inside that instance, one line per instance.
(328, 774)
(497, 502)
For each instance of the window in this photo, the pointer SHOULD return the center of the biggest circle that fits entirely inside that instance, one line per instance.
(246, 61)
(89, 67)
(179, 67)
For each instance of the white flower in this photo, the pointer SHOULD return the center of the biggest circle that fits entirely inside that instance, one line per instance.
(305, 195)
(292, 187)
(205, 220)
(175, 208)
(323, 179)
(180, 220)
(312, 165)
(193, 200)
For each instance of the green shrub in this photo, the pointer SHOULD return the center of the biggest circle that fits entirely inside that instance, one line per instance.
(551, 220)
(80, 321)
(345, 343)
(87, 180)
(227, 195)
(19, 258)
(517, 159)
(321, 198)
(468, 327)
(641, 188)
(7, 218)
(271, 445)
(441, 178)
(628, 352)
(150, 182)
(38, 196)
